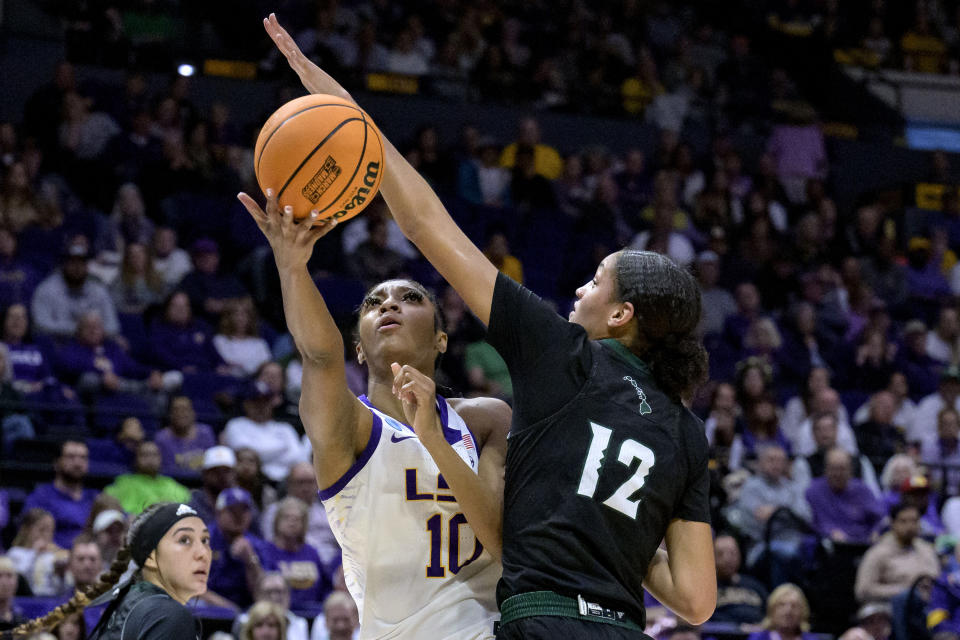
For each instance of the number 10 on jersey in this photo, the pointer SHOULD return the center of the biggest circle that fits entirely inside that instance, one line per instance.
(436, 529)
(630, 450)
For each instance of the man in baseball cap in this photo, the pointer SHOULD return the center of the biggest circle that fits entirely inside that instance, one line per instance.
(218, 472)
(237, 553)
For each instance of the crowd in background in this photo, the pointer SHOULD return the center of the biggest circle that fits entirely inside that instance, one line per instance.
(140, 321)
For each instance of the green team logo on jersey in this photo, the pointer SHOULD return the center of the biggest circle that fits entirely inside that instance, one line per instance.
(644, 405)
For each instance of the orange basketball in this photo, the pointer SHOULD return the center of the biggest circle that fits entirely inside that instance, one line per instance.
(320, 152)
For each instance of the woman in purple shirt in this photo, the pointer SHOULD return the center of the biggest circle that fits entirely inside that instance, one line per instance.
(299, 563)
(179, 341)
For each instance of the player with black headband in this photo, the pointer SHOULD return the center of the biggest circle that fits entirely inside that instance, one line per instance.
(170, 546)
(605, 462)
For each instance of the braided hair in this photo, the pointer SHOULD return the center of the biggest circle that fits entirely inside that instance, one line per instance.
(666, 303)
(107, 580)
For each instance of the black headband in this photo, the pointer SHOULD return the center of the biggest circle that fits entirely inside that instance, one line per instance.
(148, 536)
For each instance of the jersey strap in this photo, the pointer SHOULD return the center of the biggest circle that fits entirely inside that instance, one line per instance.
(359, 463)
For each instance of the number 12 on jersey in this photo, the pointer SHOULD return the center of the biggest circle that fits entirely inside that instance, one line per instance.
(630, 450)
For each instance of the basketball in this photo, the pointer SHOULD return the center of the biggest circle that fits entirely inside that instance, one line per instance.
(320, 152)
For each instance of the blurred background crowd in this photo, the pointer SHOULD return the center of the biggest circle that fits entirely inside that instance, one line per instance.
(143, 352)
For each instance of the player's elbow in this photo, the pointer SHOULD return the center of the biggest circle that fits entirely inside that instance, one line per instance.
(698, 606)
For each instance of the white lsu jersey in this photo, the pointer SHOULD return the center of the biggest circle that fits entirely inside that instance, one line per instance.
(410, 560)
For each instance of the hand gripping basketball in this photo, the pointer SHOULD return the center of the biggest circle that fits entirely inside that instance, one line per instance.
(292, 242)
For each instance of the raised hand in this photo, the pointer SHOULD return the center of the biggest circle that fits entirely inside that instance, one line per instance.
(292, 242)
(418, 393)
(314, 79)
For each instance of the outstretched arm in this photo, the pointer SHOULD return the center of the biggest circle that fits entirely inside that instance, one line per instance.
(414, 205)
(331, 415)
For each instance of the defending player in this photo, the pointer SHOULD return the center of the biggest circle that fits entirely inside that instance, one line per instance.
(605, 462)
(411, 562)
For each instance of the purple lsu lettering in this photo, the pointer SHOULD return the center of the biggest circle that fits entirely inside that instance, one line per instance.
(413, 491)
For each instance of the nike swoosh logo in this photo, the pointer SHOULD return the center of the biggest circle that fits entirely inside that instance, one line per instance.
(394, 438)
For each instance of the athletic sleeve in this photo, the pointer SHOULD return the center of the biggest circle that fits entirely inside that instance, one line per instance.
(160, 619)
(548, 357)
(694, 503)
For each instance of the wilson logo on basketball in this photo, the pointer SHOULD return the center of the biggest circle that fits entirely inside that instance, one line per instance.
(369, 180)
(321, 180)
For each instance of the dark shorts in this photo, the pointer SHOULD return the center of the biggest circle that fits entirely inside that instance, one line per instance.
(554, 628)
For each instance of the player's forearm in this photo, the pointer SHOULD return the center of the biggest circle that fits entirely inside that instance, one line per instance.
(675, 589)
(480, 503)
(308, 319)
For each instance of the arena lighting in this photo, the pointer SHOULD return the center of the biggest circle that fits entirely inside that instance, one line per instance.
(186, 70)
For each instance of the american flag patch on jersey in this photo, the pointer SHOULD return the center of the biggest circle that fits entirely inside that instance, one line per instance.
(467, 441)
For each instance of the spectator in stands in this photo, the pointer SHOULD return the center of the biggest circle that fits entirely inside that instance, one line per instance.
(943, 608)
(921, 370)
(529, 190)
(109, 530)
(826, 401)
(925, 280)
(34, 554)
(208, 287)
(717, 303)
(83, 566)
(170, 261)
(238, 341)
(10, 613)
(18, 278)
(15, 423)
(481, 180)
(374, 260)
(96, 363)
(66, 498)
(138, 490)
(800, 407)
(19, 206)
(184, 441)
(250, 476)
(874, 620)
(941, 453)
(874, 361)
(546, 160)
(788, 616)
(302, 484)
(237, 554)
(298, 561)
(70, 292)
(497, 251)
(943, 343)
(843, 508)
(487, 372)
(218, 473)
(31, 369)
(265, 621)
(84, 134)
(884, 274)
(273, 587)
(800, 155)
(740, 598)
(662, 237)
(897, 559)
(276, 443)
(339, 621)
(806, 468)
(128, 222)
(748, 309)
(137, 286)
(769, 489)
(946, 396)
(880, 437)
(180, 341)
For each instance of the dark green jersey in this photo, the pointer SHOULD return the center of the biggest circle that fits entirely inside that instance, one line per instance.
(599, 460)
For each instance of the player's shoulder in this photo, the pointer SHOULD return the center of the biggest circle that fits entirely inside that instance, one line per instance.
(485, 416)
